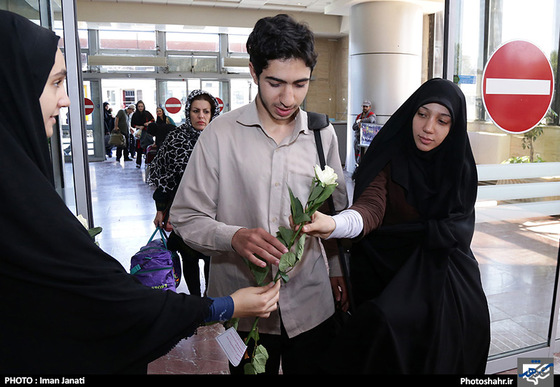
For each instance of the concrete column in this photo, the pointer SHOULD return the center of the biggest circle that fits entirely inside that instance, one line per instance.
(385, 64)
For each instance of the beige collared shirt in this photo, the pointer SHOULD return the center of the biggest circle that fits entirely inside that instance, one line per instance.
(237, 177)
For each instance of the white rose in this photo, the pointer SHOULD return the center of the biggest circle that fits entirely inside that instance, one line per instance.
(326, 176)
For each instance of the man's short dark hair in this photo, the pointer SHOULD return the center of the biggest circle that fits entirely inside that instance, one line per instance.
(280, 37)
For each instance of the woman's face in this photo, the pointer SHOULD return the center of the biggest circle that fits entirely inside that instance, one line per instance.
(159, 112)
(140, 107)
(54, 94)
(430, 125)
(201, 113)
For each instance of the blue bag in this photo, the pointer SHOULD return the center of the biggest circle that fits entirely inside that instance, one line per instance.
(156, 266)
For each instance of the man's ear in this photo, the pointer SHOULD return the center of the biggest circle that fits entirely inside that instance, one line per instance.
(253, 73)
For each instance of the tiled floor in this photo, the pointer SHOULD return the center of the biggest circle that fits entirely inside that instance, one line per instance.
(517, 264)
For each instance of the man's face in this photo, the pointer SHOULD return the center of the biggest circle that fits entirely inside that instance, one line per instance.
(365, 108)
(283, 86)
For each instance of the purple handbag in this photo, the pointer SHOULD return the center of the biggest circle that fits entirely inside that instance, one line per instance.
(155, 266)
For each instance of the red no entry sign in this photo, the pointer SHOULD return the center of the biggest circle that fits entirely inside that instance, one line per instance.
(88, 106)
(517, 86)
(173, 105)
(220, 103)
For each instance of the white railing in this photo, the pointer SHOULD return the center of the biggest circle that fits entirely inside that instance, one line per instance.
(504, 182)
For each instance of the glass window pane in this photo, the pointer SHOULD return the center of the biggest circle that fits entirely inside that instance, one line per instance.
(82, 35)
(192, 42)
(208, 64)
(237, 43)
(127, 40)
(179, 64)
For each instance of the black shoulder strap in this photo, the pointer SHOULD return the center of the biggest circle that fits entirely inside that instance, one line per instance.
(316, 122)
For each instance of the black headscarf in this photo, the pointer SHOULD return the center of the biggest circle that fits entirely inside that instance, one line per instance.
(66, 306)
(170, 162)
(421, 307)
(140, 117)
(438, 181)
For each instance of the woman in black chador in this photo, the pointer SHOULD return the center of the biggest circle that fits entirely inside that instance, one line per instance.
(420, 306)
(67, 307)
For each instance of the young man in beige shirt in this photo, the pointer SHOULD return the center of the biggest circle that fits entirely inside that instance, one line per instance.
(234, 196)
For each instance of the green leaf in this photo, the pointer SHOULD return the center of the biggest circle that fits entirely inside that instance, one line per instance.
(260, 273)
(287, 261)
(299, 247)
(329, 189)
(94, 231)
(302, 218)
(296, 206)
(259, 359)
(285, 235)
(315, 193)
(284, 276)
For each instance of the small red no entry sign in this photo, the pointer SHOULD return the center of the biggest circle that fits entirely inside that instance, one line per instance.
(173, 105)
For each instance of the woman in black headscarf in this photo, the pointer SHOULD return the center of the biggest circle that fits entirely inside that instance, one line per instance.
(167, 169)
(66, 306)
(420, 306)
(140, 120)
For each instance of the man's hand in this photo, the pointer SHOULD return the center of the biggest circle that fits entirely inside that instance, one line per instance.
(257, 243)
(340, 293)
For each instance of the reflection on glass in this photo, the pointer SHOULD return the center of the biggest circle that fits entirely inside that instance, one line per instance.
(130, 40)
(518, 227)
(192, 42)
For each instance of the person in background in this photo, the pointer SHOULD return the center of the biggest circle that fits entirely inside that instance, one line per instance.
(166, 172)
(122, 124)
(162, 118)
(161, 127)
(109, 123)
(233, 197)
(366, 116)
(139, 122)
(72, 308)
(420, 305)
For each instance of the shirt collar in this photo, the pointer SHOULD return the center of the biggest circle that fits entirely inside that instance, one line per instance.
(250, 117)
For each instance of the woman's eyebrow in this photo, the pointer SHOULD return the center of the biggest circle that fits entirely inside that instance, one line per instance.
(61, 73)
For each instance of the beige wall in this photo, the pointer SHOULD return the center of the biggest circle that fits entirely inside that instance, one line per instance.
(328, 91)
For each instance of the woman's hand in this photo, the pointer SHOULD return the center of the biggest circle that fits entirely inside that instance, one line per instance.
(158, 220)
(321, 225)
(256, 301)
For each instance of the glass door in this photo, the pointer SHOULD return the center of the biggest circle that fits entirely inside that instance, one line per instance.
(518, 206)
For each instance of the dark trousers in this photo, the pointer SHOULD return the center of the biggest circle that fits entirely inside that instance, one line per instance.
(298, 355)
(190, 258)
(139, 153)
(122, 151)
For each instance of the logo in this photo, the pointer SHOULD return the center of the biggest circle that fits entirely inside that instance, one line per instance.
(535, 372)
